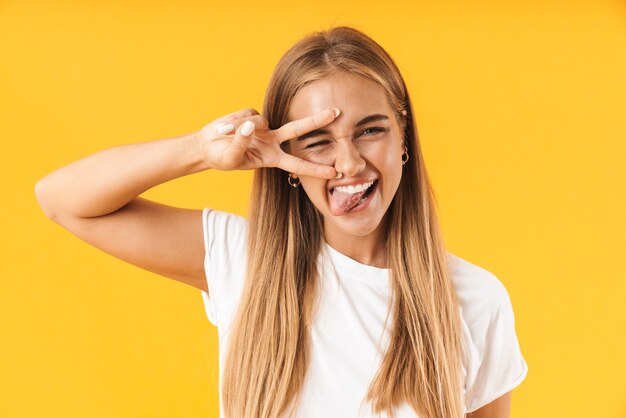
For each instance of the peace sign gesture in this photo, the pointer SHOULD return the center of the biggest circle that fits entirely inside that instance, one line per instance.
(253, 145)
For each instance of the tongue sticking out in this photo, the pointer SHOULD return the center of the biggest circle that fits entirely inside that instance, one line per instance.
(340, 202)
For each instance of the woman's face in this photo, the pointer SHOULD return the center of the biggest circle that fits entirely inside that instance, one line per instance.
(364, 142)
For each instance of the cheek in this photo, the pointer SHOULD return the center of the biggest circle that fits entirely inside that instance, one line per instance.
(321, 156)
(394, 158)
(391, 168)
(315, 190)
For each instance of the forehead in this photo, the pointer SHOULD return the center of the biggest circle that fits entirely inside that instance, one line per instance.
(353, 94)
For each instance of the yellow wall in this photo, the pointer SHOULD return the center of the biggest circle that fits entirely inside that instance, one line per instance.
(521, 112)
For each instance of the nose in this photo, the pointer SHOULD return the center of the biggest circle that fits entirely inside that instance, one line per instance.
(348, 159)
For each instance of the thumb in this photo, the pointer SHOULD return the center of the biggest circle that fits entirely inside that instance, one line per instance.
(240, 143)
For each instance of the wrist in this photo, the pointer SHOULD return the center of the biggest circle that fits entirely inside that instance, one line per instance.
(197, 144)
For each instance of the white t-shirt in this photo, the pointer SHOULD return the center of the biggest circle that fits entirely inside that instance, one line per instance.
(345, 350)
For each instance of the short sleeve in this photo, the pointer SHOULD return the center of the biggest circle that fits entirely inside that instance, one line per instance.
(224, 246)
(497, 365)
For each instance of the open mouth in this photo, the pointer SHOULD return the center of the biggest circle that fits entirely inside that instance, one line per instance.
(368, 190)
(342, 201)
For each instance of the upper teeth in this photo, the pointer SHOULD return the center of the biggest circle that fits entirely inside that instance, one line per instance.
(354, 189)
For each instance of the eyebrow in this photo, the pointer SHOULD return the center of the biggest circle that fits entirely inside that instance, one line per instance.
(324, 131)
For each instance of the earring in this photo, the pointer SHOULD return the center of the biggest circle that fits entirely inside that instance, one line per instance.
(406, 152)
(293, 184)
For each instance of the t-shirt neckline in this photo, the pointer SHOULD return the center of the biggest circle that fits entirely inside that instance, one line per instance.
(356, 270)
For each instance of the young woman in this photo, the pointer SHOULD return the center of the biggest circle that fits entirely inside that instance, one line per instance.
(336, 298)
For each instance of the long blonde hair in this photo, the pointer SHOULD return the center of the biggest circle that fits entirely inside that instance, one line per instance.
(268, 354)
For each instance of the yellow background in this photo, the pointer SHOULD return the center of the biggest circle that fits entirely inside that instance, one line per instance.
(521, 113)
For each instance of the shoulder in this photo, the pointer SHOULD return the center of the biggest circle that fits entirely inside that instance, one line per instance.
(219, 217)
(224, 239)
(473, 281)
(492, 361)
(220, 225)
(224, 263)
(481, 294)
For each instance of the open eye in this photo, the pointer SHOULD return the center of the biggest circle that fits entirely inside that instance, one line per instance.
(374, 130)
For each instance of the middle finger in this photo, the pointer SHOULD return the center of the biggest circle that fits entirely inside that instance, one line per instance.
(299, 127)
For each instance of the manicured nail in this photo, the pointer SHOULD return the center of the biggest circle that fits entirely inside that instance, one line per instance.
(337, 111)
(247, 128)
(223, 128)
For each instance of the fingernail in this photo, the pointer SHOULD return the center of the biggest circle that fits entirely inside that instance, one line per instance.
(337, 111)
(247, 128)
(223, 128)
(339, 175)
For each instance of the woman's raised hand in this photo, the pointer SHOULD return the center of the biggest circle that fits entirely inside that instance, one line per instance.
(253, 144)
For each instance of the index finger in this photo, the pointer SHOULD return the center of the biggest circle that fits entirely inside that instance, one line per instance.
(306, 168)
(299, 127)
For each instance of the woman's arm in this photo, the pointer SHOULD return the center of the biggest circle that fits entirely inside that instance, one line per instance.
(499, 408)
(95, 198)
(102, 183)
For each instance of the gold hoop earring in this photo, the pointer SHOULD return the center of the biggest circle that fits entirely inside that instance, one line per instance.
(292, 184)
(406, 152)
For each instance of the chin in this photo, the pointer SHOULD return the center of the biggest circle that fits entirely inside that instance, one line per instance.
(360, 227)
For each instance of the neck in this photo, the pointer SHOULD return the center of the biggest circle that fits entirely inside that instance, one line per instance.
(367, 249)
